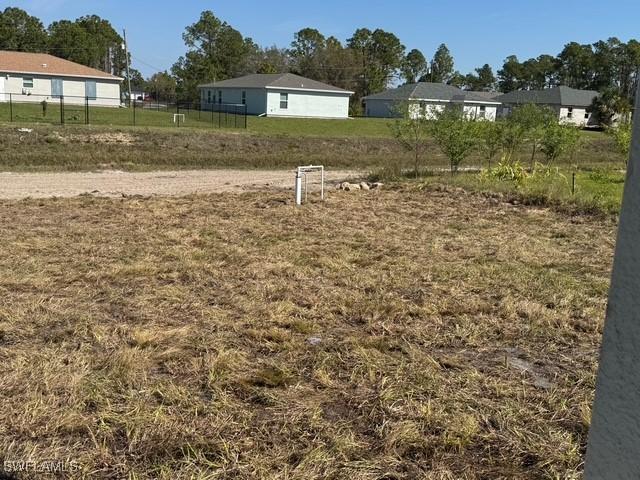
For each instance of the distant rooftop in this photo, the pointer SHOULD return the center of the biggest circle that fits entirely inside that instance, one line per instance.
(552, 96)
(275, 80)
(430, 91)
(485, 95)
(45, 64)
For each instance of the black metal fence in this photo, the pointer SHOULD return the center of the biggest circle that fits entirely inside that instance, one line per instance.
(68, 109)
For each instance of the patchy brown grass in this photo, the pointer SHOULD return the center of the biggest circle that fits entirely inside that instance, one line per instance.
(395, 334)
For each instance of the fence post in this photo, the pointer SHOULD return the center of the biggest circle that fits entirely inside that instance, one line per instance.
(219, 116)
(61, 109)
(86, 110)
(245, 116)
(134, 112)
(11, 107)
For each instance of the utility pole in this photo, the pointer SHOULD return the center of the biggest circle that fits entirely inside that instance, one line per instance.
(614, 436)
(126, 56)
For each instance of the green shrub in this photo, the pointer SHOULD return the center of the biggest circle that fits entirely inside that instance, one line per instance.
(505, 170)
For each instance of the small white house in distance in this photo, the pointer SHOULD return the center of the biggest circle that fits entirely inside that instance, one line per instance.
(425, 99)
(34, 77)
(571, 105)
(278, 95)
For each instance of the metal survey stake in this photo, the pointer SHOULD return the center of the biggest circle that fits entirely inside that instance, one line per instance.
(614, 439)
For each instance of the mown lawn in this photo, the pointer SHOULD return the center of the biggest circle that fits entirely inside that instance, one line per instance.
(163, 116)
(25, 113)
(412, 332)
(295, 127)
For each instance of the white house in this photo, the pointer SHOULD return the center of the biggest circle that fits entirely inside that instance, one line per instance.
(425, 99)
(34, 77)
(278, 95)
(571, 105)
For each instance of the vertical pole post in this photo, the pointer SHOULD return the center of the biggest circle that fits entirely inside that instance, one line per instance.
(298, 187)
(219, 117)
(11, 107)
(573, 183)
(126, 56)
(614, 449)
(235, 117)
(86, 110)
(322, 183)
(61, 110)
(134, 112)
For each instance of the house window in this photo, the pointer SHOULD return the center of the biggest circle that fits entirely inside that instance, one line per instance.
(570, 112)
(219, 97)
(27, 82)
(90, 89)
(208, 96)
(483, 111)
(56, 88)
(244, 98)
(586, 115)
(284, 101)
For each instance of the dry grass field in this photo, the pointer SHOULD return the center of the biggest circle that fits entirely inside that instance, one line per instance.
(397, 334)
(86, 148)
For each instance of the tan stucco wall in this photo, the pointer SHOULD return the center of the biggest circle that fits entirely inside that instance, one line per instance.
(73, 89)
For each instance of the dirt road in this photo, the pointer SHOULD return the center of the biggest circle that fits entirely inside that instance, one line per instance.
(117, 183)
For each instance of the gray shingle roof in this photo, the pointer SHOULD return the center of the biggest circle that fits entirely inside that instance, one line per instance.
(564, 96)
(429, 91)
(276, 80)
(486, 95)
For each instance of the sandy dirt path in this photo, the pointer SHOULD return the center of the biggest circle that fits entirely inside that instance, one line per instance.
(115, 183)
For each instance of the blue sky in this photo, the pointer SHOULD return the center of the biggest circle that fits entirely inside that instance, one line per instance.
(476, 32)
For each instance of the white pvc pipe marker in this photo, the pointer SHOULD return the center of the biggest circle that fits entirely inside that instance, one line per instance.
(614, 439)
(298, 187)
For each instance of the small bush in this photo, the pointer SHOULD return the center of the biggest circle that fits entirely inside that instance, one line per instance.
(506, 171)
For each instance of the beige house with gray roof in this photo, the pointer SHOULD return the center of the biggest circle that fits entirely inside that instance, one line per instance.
(571, 105)
(278, 95)
(426, 99)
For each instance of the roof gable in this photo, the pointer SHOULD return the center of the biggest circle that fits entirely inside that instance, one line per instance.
(287, 81)
(45, 64)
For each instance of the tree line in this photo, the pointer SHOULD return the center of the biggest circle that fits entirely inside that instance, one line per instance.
(367, 62)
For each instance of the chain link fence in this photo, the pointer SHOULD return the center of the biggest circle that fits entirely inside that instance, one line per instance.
(70, 110)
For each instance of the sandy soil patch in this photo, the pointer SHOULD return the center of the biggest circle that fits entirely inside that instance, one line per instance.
(114, 183)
